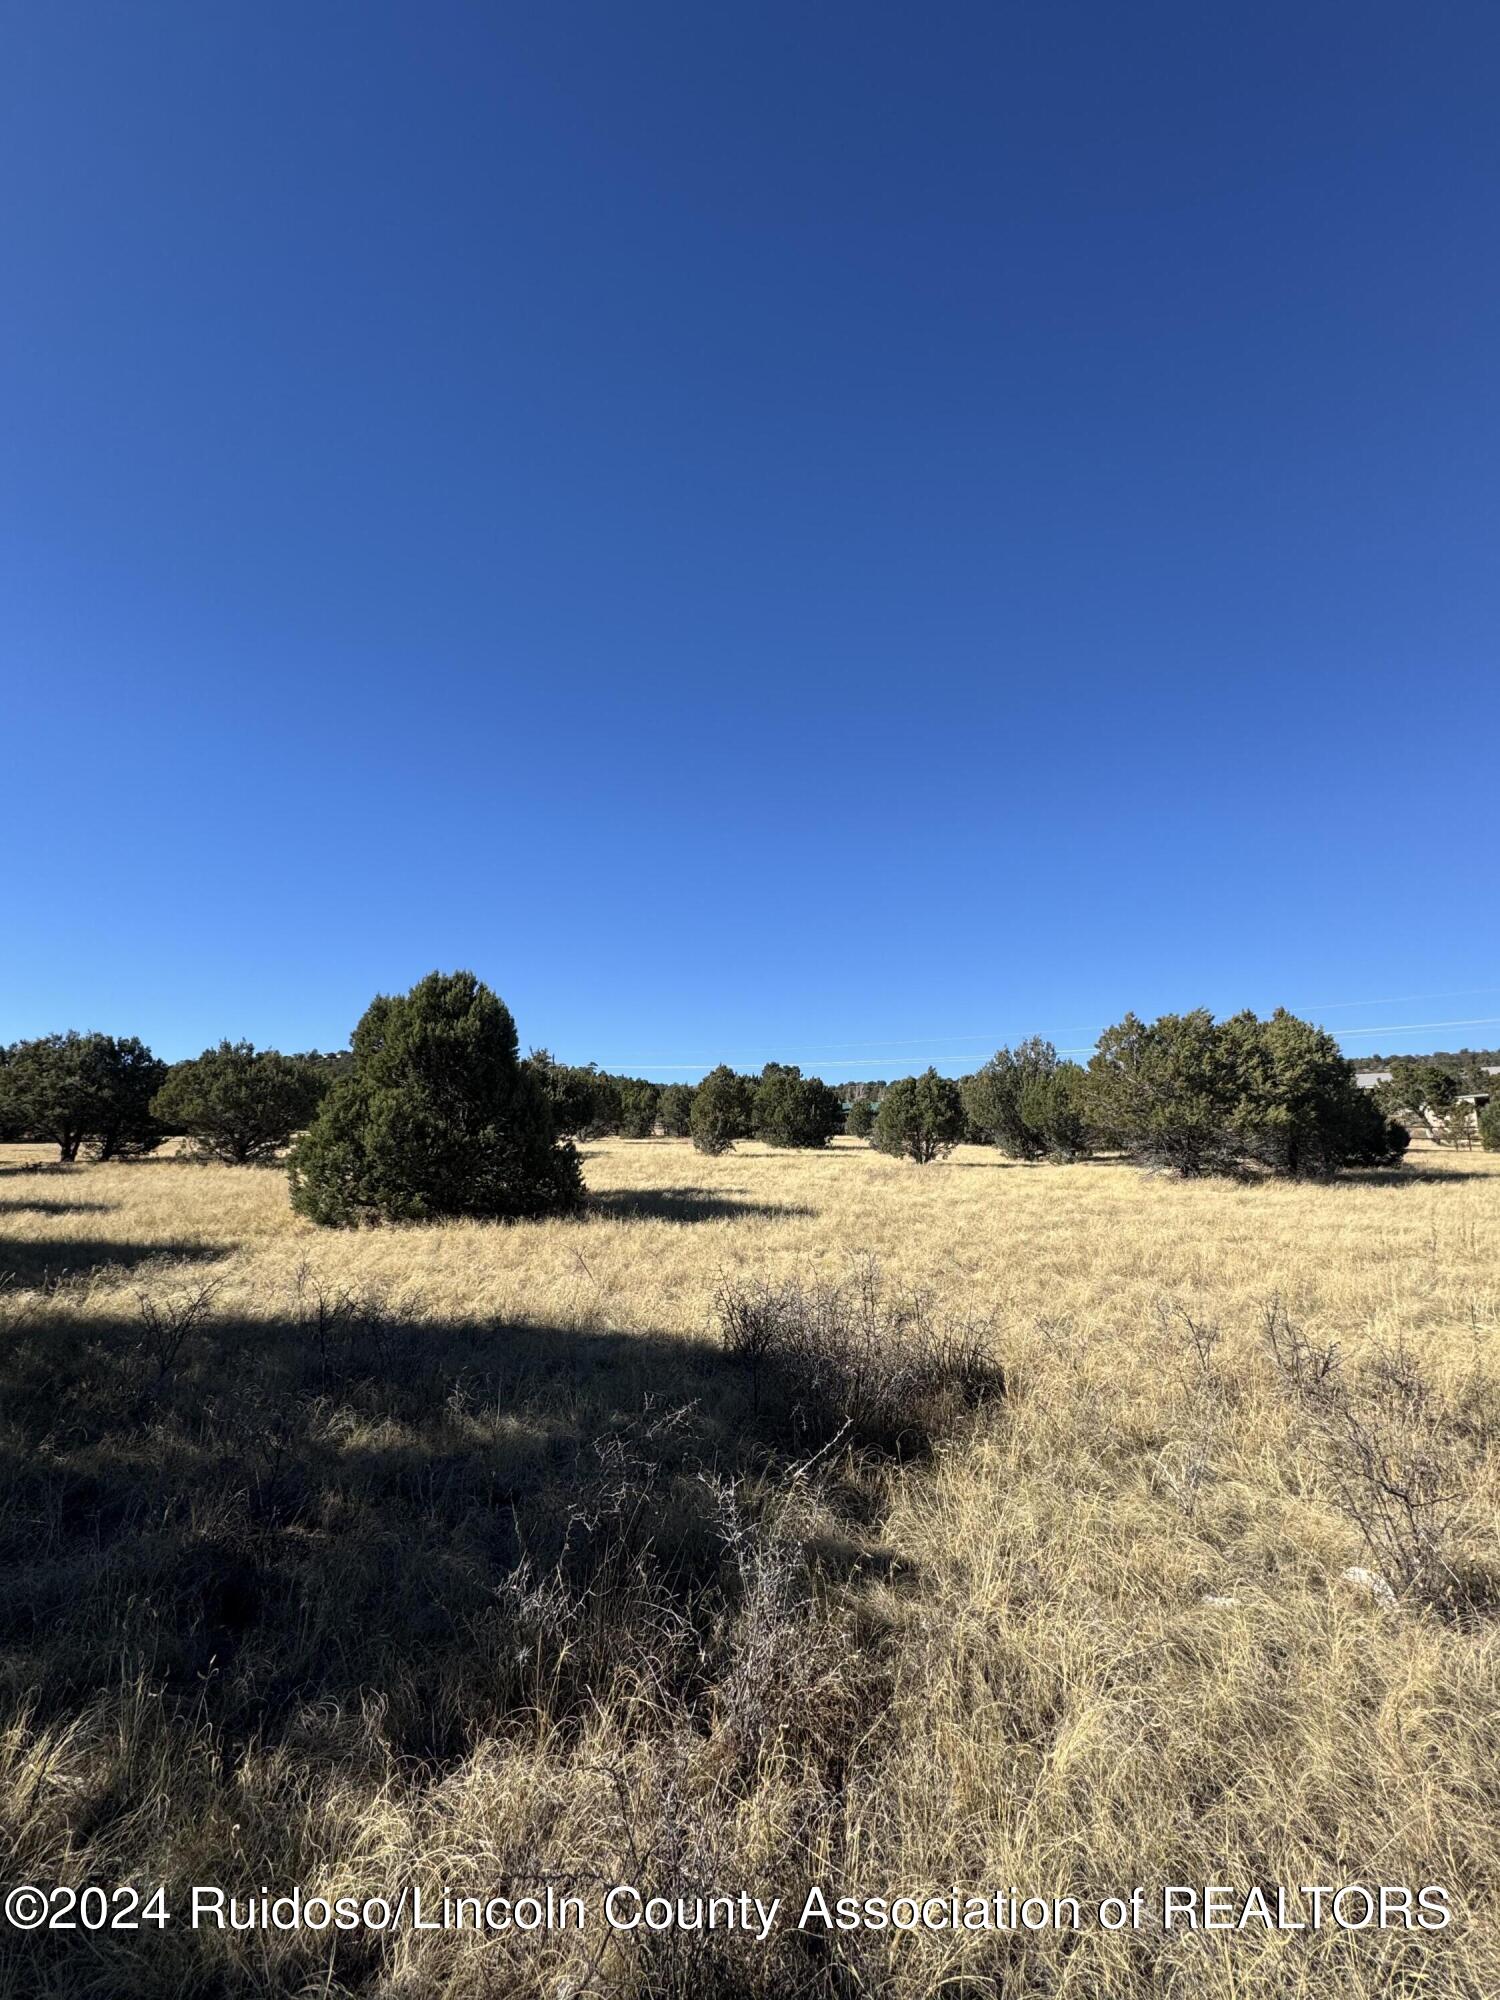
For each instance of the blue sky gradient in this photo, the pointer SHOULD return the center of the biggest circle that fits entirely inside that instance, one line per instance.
(847, 533)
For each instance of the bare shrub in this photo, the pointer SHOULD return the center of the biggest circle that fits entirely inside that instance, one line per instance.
(1398, 1461)
(894, 1373)
(1400, 1475)
(167, 1322)
(1309, 1371)
(1195, 1334)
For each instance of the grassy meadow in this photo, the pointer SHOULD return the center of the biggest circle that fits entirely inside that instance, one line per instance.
(470, 1557)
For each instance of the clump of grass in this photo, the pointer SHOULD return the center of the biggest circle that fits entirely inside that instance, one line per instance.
(891, 1371)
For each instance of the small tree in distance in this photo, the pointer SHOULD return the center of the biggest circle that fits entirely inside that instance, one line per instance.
(721, 1110)
(1489, 1126)
(239, 1104)
(638, 1102)
(920, 1118)
(859, 1121)
(675, 1110)
(795, 1110)
(1459, 1127)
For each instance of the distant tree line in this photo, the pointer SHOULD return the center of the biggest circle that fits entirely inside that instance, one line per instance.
(432, 1111)
(110, 1098)
(1470, 1067)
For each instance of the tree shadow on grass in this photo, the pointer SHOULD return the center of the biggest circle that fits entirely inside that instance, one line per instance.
(339, 1537)
(273, 1514)
(54, 1208)
(41, 1261)
(691, 1204)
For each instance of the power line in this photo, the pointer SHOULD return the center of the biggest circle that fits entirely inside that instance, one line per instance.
(931, 1046)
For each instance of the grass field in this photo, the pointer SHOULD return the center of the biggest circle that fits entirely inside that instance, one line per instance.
(467, 1557)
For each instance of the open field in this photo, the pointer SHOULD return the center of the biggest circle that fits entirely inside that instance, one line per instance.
(464, 1556)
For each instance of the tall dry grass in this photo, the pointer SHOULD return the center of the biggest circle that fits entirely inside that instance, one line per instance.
(475, 1556)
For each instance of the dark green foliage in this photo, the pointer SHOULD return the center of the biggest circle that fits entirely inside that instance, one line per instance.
(638, 1102)
(327, 1068)
(1162, 1090)
(676, 1110)
(1298, 1109)
(1202, 1096)
(920, 1117)
(795, 1110)
(722, 1110)
(240, 1105)
(585, 1103)
(74, 1089)
(1489, 1126)
(438, 1117)
(1028, 1103)
(859, 1121)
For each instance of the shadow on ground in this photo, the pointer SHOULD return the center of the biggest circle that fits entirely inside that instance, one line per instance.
(40, 1261)
(691, 1204)
(54, 1208)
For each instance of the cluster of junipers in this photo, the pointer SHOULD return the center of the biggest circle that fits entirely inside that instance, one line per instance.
(1203, 1096)
(1184, 1092)
(437, 1116)
(109, 1096)
(78, 1091)
(1029, 1104)
(589, 1103)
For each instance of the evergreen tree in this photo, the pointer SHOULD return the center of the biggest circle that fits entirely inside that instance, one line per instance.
(722, 1109)
(859, 1121)
(791, 1109)
(638, 1102)
(920, 1117)
(1202, 1096)
(78, 1089)
(239, 1104)
(1027, 1103)
(437, 1117)
(676, 1110)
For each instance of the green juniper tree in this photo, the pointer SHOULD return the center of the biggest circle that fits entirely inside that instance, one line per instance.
(638, 1106)
(920, 1118)
(722, 1109)
(1028, 1104)
(1205, 1096)
(240, 1104)
(791, 1109)
(77, 1090)
(437, 1117)
(859, 1120)
(676, 1110)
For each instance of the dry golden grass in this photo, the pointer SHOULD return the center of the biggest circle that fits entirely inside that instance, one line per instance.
(462, 1556)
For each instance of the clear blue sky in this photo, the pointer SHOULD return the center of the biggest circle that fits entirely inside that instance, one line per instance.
(848, 532)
